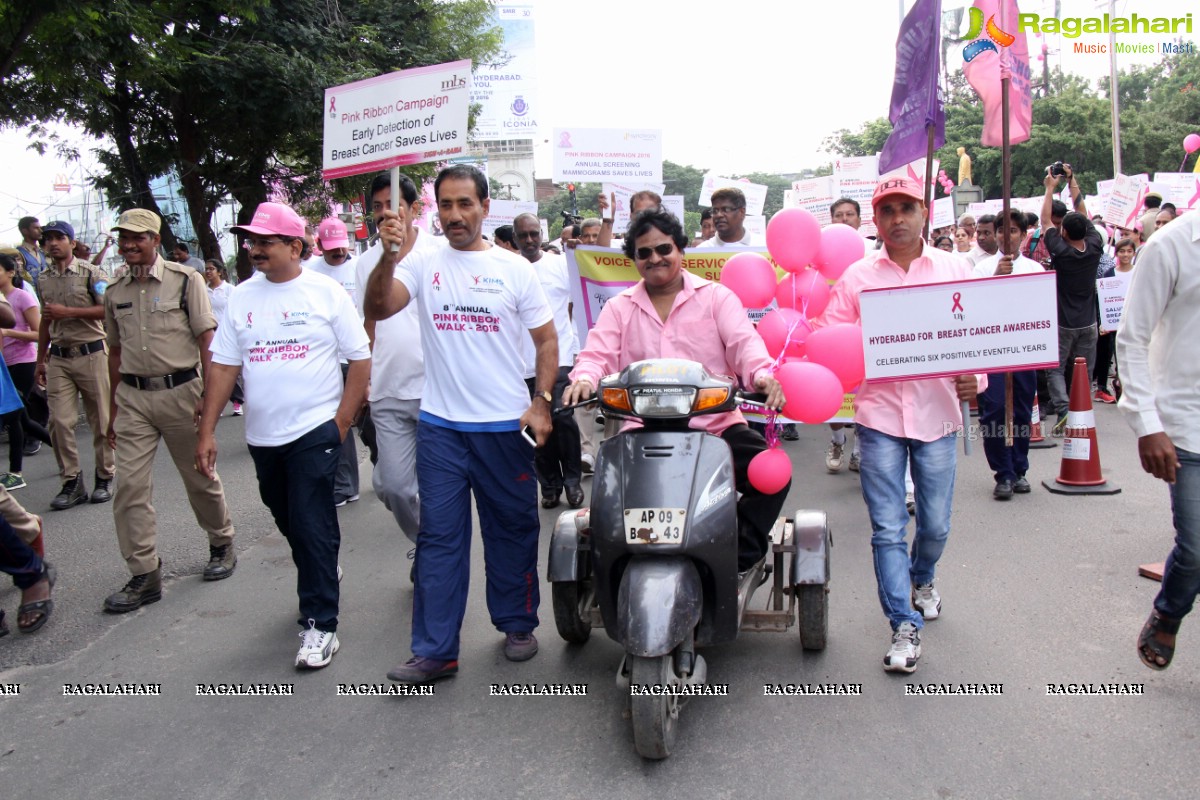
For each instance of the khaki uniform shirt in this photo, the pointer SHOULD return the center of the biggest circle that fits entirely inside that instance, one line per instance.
(79, 286)
(156, 322)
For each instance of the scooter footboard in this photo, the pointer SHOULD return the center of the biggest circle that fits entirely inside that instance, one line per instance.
(566, 546)
(659, 602)
(810, 562)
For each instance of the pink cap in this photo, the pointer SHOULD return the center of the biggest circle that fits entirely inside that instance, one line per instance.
(897, 186)
(331, 233)
(273, 218)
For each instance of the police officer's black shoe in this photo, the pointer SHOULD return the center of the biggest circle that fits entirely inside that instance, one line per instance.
(139, 591)
(103, 491)
(221, 562)
(72, 494)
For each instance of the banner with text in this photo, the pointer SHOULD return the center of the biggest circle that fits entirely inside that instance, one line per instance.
(943, 329)
(1125, 200)
(1110, 292)
(401, 118)
(607, 154)
(621, 194)
(503, 212)
(507, 91)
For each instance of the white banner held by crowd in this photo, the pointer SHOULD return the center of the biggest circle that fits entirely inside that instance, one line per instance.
(620, 194)
(963, 327)
(1125, 201)
(503, 212)
(607, 154)
(1110, 292)
(397, 119)
(756, 193)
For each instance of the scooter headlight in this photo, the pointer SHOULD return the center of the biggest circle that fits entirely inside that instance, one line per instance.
(662, 401)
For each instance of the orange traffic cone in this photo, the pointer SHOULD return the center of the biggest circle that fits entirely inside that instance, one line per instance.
(1036, 440)
(1080, 471)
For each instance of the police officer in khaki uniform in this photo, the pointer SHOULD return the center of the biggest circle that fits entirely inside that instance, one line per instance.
(159, 324)
(72, 335)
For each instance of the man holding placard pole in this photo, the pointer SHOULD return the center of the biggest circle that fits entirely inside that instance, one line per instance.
(902, 422)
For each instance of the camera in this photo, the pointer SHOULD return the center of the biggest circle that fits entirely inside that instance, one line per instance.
(1057, 169)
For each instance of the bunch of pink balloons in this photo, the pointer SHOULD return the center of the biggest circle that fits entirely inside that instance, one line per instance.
(816, 366)
(944, 181)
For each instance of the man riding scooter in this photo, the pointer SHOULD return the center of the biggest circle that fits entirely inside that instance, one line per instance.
(672, 313)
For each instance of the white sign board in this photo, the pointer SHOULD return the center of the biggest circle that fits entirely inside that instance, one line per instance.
(756, 193)
(621, 193)
(1125, 201)
(607, 154)
(943, 213)
(1111, 294)
(942, 329)
(401, 118)
(674, 204)
(855, 179)
(1180, 188)
(814, 195)
(503, 212)
(507, 91)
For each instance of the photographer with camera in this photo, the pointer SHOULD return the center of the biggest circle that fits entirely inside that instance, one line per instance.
(1075, 249)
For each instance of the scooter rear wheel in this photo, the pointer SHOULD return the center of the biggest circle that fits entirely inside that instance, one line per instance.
(812, 602)
(572, 610)
(655, 717)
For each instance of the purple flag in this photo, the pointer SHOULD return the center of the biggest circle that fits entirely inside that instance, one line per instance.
(916, 99)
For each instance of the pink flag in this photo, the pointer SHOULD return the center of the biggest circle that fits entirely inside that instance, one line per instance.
(999, 50)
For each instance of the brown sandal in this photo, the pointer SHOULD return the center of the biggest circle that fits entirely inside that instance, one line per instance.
(1149, 648)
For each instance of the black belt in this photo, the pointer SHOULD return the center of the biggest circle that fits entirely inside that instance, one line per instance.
(77, 350)
(161, 383)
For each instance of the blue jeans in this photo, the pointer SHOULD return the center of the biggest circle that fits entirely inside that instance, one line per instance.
(882, 477)
(295, 481)
(1181, 578)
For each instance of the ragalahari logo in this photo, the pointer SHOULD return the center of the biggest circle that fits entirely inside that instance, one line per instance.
(976, 45)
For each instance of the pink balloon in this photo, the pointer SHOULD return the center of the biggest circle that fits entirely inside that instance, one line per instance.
(751, 277)
(841, 246)
(813, 392)
(839, 348)
(770, 471)
(1191, 142)
(793, 236)
(806, 291)
(783, 327)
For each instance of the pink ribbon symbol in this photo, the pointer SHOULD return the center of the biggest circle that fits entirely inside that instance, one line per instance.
(957, 304)
(437, 279)
(332, 103)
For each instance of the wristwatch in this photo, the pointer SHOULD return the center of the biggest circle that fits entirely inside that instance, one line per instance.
(549, 398)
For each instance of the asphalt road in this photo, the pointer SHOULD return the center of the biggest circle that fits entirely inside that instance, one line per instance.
(1040, 590)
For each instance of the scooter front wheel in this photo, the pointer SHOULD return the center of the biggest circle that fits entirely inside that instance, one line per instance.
(655, 716)
(572, 602)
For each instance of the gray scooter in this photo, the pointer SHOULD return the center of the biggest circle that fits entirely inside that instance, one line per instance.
(654, 559)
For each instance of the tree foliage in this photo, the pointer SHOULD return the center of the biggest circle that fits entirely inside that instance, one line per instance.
(228, 93)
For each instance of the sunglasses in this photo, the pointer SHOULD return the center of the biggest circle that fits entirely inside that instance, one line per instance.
(665, 249)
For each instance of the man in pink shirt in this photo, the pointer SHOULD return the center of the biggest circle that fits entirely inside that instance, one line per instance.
(905, 421)
(671, 313)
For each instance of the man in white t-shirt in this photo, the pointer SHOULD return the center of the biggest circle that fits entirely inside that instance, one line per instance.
(729, 217)
(1009, 464)
(336, 262)
(986, 244)
(397, 368)
(558, 463)
(476, 304)
(286, 332)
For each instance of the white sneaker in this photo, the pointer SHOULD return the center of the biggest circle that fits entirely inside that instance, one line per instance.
(855, 462)
(833, 457)
(905, 650)
(927, 600)
(339, 503)
(339, 573)
(588, 463)
(317, 647)
(237, 409)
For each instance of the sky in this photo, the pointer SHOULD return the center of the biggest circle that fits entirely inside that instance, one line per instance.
(751, 86)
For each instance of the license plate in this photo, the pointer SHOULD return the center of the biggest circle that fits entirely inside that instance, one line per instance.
(654, 525)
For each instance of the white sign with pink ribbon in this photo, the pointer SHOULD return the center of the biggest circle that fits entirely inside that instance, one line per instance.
(937, 330)
(392, 120)
(1125, 200)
